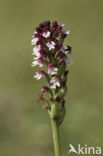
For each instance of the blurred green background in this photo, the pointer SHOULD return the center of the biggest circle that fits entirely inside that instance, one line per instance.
(25, 128)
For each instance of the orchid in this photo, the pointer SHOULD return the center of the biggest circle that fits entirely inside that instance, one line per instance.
(49, 51)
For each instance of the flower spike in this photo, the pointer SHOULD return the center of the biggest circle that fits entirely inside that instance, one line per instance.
(50, 51)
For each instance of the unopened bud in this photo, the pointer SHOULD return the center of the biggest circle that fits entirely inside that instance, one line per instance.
(61, 115)
(44, 89)
(61, 69)
(61, 93)
(40, 98)
(45, 106)
(55, 110)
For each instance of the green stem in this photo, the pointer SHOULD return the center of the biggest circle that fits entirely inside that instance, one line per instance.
(56, 137)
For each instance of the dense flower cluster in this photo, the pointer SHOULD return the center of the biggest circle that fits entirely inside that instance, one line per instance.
(49, 51)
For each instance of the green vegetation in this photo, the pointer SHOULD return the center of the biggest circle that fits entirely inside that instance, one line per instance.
(25, 128)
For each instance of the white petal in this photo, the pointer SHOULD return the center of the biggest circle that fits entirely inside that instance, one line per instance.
(57, 83)
(37, 76)
(66, 31)
(51, 45)
(33, 41)
(46, 34)
(53, 86)
(37, 54)
(34, 63)
(52, 71)
(36, 49)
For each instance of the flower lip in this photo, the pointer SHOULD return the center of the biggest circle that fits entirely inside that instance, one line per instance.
(51, 45)
(52, 69)
(46, 34)
(65, 31)
(36, 49)
(55, 82)
(66, 50)
(38, 61)
(34, 41)
(39, 74)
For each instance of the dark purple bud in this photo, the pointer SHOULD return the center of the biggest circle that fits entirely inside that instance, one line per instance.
(38, 29)
(54, 28)
(69, 48)
(55, 24)
(51, 65)
(49, 39)
(58, 46)
(36, 35)
(62, 57)
(66, 73)
(43, 53)
(45, 89)
(41, 25)
(59, 30)
(47, 23)
(63, 36)
(40, 41)
(47, 28)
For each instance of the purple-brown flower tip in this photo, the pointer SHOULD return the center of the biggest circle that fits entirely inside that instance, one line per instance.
(58, 46)
(45, 89)
(62, 57)
(55, 24)
(69, 48)
(38, 30)
(47, 23)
